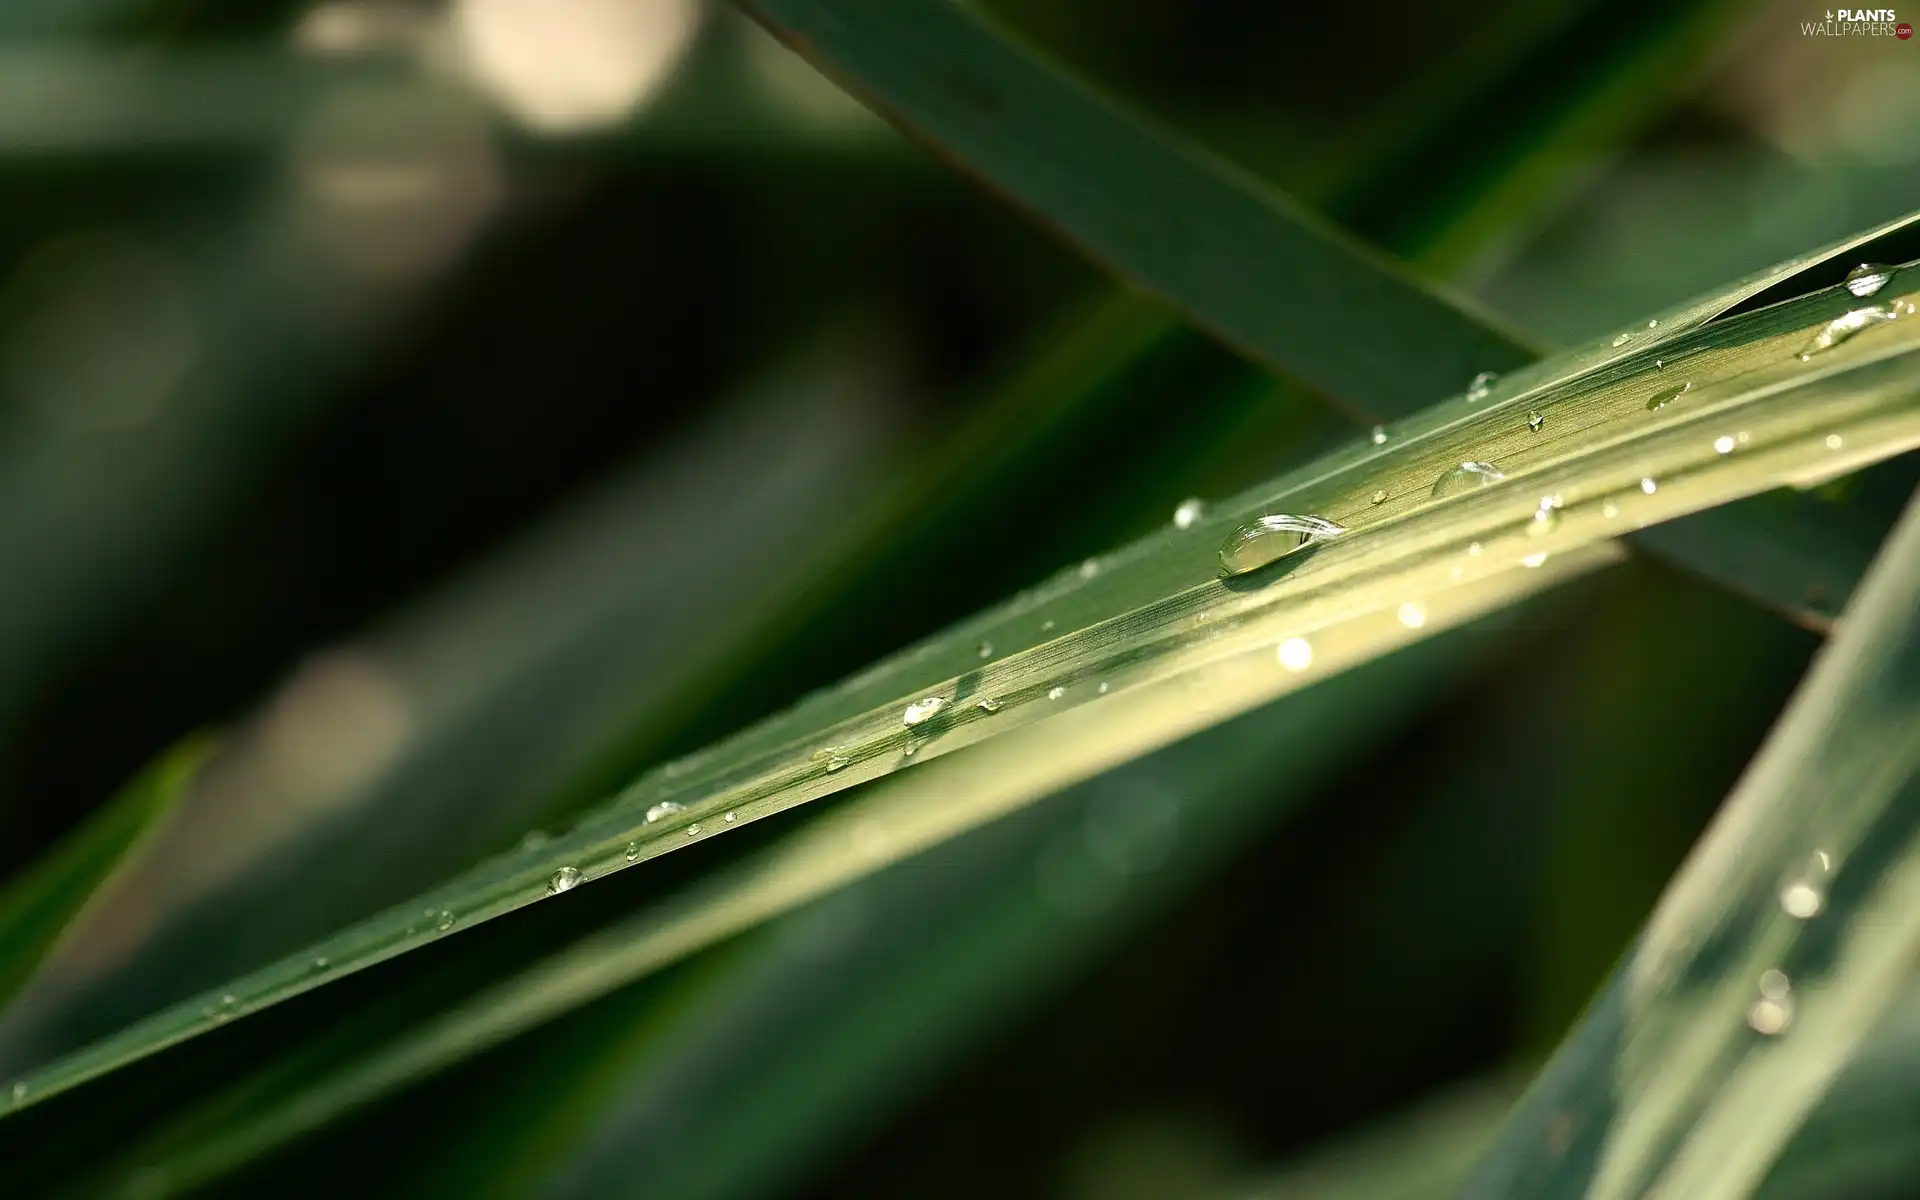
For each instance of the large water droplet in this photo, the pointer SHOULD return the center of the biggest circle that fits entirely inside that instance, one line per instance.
(1466, 477)
(663, 810)
(1191, 510)
(1868, 278)
(1844, 327)
(1296, 654)
(922, 711)
(1666, 396)
(563, 880)
(1482, 386)
(1270, 538)
(1535, 421)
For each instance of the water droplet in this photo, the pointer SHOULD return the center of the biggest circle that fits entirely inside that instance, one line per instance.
(563, 880)
(1481, 386)
(225, 1010)
(321, 962)
(1270, 538)
(988, 705)
(922, 711)
(1666, 396)
(1623, 339)
(731, 817)
(1413, 614)
(534, 839)
(1535, 421)
(1773, 1012)
(985, 650)
(1535, 559)
(1546, 518)
(1046, 625)
(693, 830)
(1473, 549)
(1806, 894)
(1380, 496)
(1648, 485)
(1466, 477)
(1774, 984)
(19, 1091)
(1868, 278)
(1609, 510)
(1054, 693)
(1654, 323)
(664, 809)
(1296, 654)
(1102, 689)
(633, 851)
(1723, 444)
(1835, 441)
(1191, 510)
(837, 762)
(1379, 435)
(1089, 568)
(1843, 327)
(444, 921)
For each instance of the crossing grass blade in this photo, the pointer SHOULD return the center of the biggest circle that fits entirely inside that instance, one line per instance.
(1155, 619)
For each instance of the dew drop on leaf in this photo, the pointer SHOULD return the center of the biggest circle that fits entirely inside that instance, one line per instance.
(1190, 510)
(731, 817)
(563, 880)
(1535, 421)
(1623, 339)
(1295, 654)
(988, 705)
(1413, 614)
(633, 851)
(663, 810)
(1648, 485)
(1054, 693)
(444, 921)
(1666, 396)
(1845, 326)
(1546, 518)
(985, 650)
(922, 711)
(1481, 386)
(693, 830)
(1466, 477)
(1868, 278)
(1380, 496)
(1266, 539)
(837, 762)
(1379, 435)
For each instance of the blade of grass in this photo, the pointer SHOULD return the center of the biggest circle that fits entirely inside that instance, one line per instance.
(1791, 929)
(1156, 612)
(1261, 273)
(47, 901)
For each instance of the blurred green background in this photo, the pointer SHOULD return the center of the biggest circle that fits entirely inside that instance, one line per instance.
(466, 406)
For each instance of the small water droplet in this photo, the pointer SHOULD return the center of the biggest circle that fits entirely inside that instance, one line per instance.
(223, 1011)
(1379, 435)
(988, 705)
(1868, 278)
(1054, 693)
(731, 817)
(1267, 539)
(1774, 984)
(922, 711)
(693, 830)
(1466, 477)
(321, 962)
(1380, 496)
(1535, 559)
(1296, 654)
(837, 762)
(444, 921)
(1535, 421)
(1191, 510)
(1623, 339)
(1648, 485)
(1800, 900)
(1413, 614)
(534, 839)
(1473, 549)
(563, 880)
(1835, 441)
(1723, 444)
(1653, 323)
(985, 650)
(1089, 568)
(1773, 1012)
(633, 851)
(1102, 689)
(1666, 396)
(19, 1092)
(1481, 386)
(1844, 327)
(1046, 625)
(1546, 518)
(1609, 510)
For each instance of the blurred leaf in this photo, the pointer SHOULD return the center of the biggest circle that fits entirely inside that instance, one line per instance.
(1790, 931)
(1261, 273)
(1153, 620)
(41, 905)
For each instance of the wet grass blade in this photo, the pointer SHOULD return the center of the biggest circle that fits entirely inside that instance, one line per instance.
(37, 908)
(1789, 933)
(1245, 263)
(1155, 619)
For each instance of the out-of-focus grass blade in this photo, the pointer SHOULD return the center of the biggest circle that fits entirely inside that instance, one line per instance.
(1793, 927)
(1861, 1140)
(1262, 274)
(42, 904)
(1155, 618)
(1170, 816)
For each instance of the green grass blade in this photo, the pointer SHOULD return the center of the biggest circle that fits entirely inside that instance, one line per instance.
(1243, 262)
(42, 904)
(1790, 931)
(1154, 619)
